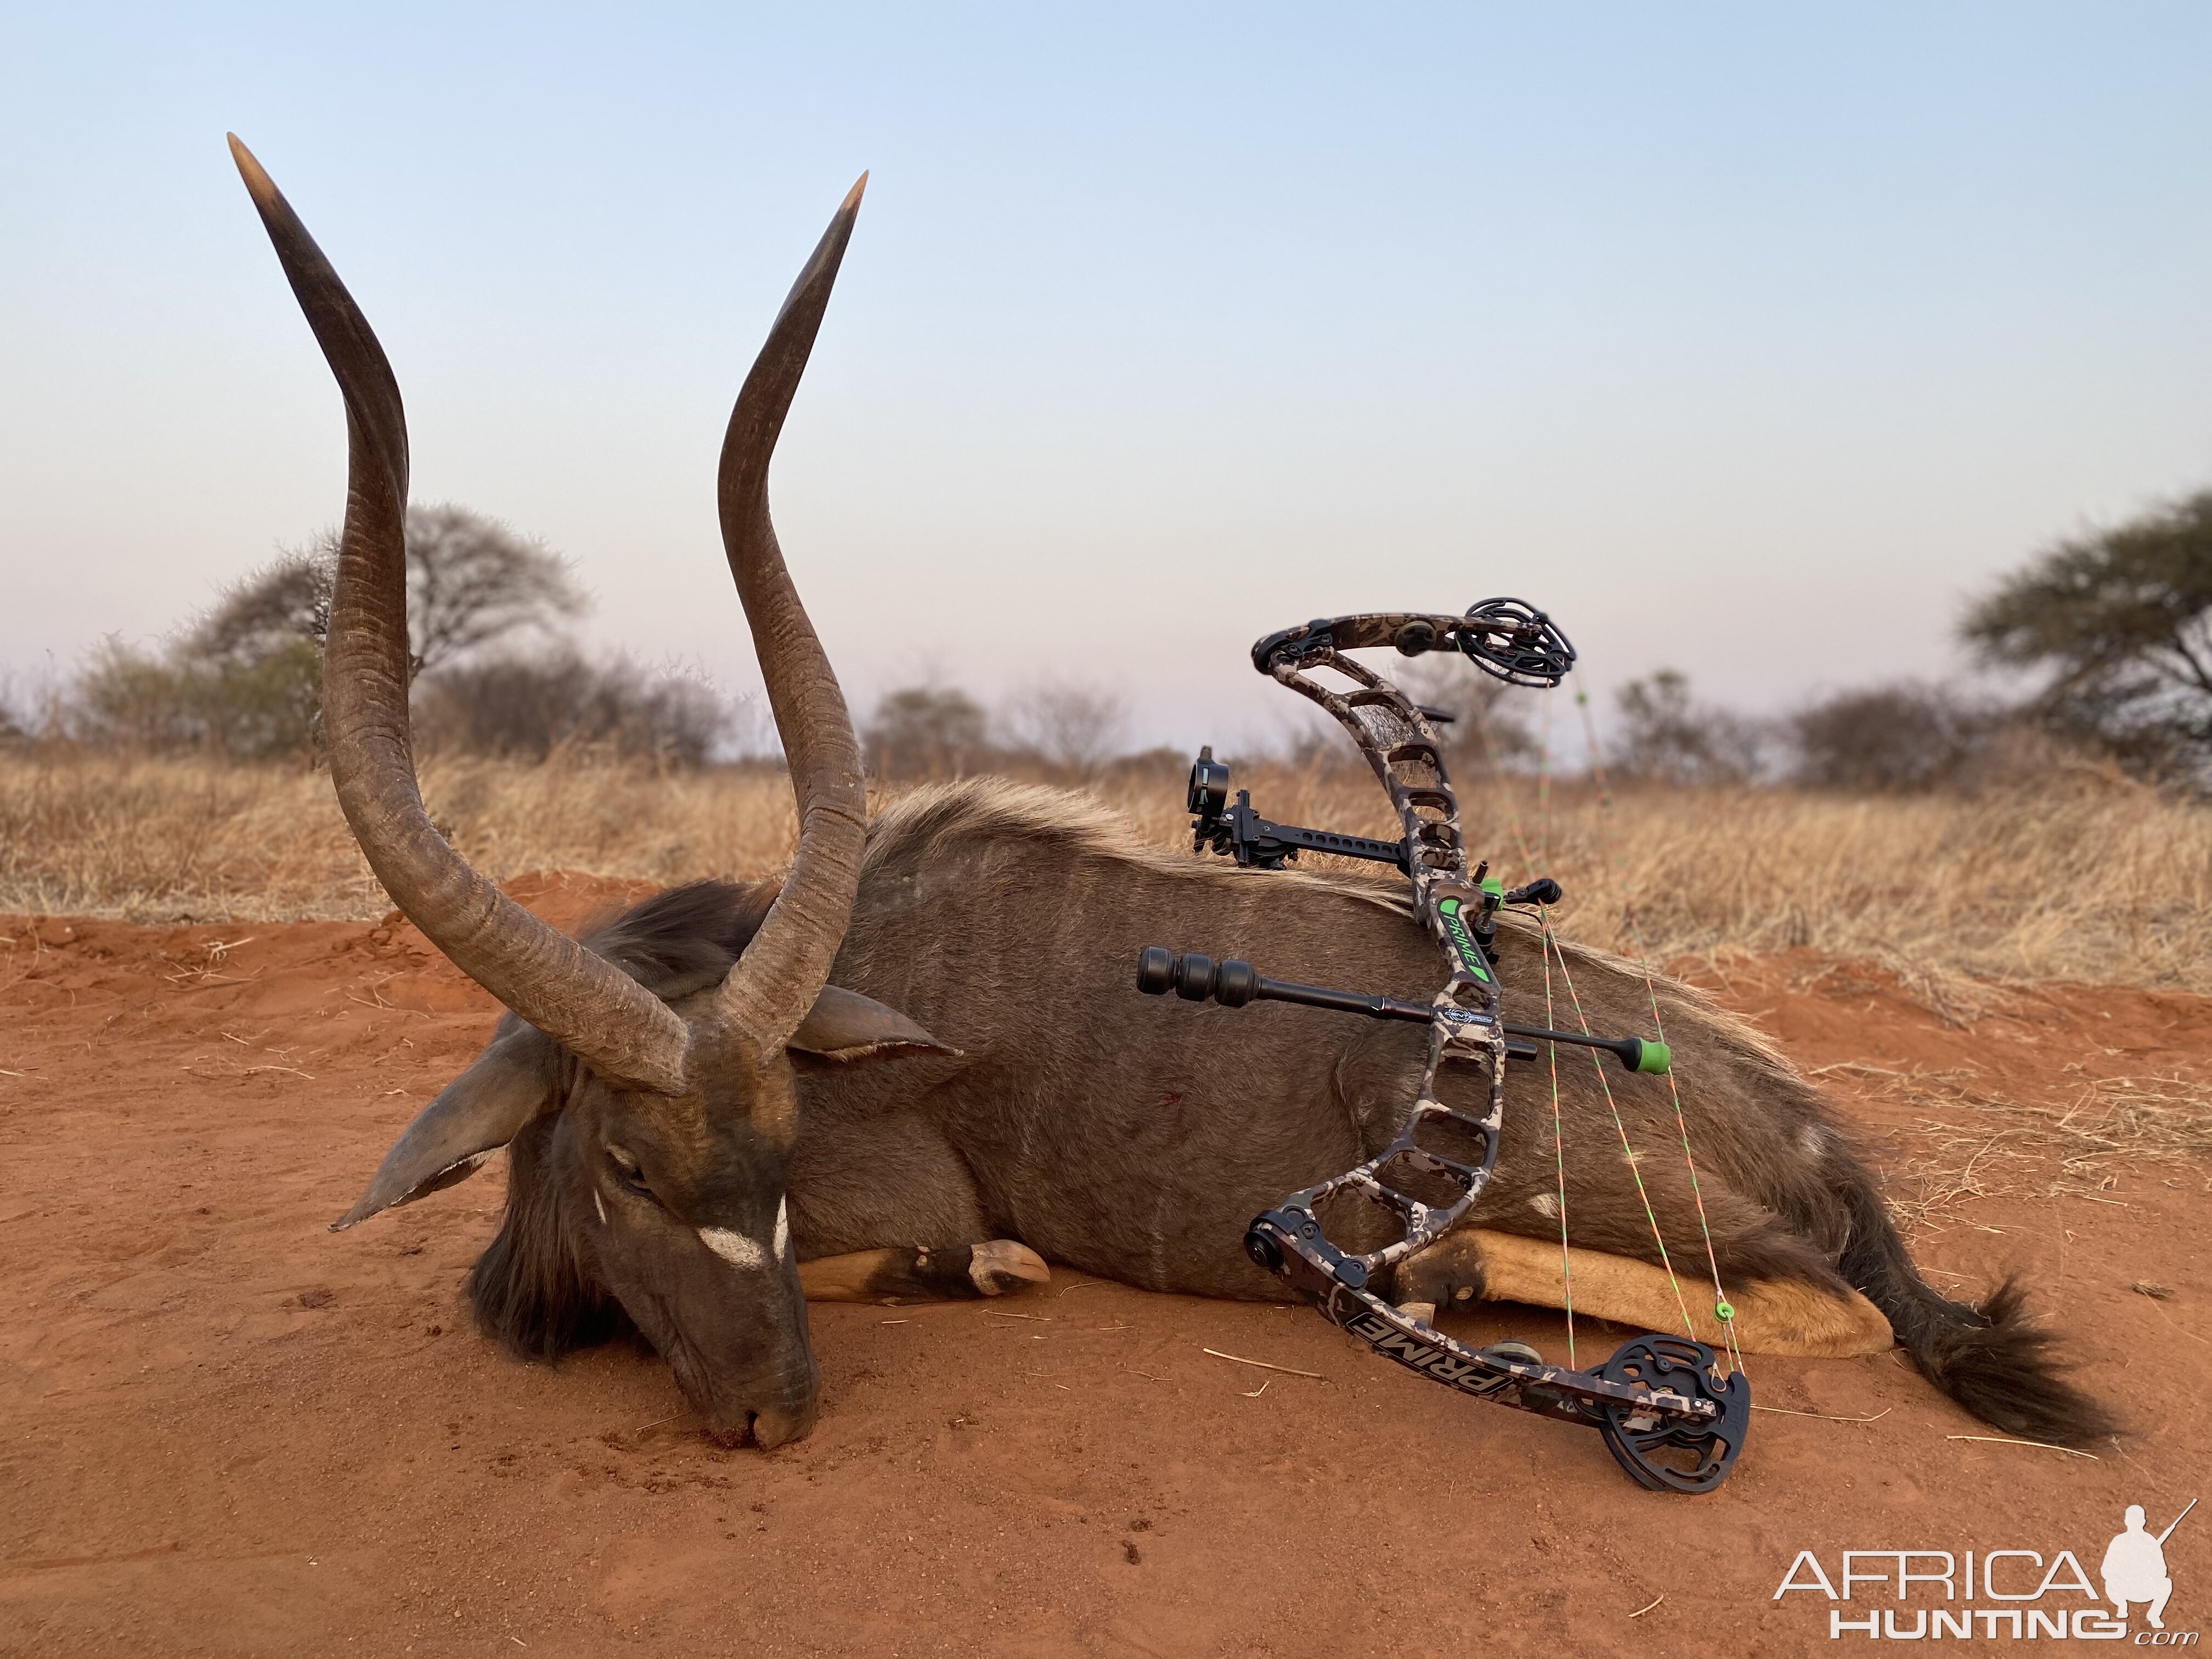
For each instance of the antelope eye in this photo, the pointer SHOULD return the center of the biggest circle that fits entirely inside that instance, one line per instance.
(627, 1171)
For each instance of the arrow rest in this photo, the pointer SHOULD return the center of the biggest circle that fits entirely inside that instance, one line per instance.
(1667, 1412)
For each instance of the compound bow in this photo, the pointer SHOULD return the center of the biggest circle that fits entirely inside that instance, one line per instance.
(1671, 1414)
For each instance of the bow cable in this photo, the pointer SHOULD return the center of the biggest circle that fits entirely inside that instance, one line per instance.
(1551, 947)
(1635, 1169)
(1551, 1016)
(1723, 1310)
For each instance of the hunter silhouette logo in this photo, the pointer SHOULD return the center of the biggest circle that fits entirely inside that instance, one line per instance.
(1999, 1594)
(2134, 1568)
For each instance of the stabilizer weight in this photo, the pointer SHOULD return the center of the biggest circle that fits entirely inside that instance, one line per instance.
(1234, 984)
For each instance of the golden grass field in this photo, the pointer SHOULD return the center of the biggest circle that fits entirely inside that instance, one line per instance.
(2084, 876)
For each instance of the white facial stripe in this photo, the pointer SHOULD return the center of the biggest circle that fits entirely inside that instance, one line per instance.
(600, 1205)
(782, 1231)
(735, 1248)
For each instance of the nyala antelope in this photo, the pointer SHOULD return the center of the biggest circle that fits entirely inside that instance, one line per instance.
(916, 1066)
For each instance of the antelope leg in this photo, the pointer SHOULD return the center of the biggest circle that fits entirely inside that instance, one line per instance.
(992, 1267)
(1774, 1317)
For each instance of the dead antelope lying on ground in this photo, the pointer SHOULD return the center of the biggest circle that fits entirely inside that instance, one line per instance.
(917, 1064)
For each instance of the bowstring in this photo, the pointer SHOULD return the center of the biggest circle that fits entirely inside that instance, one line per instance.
(1543, 783)
(1609, 853)
(1558, 1133)
(1551, 945)
(1634, 1170)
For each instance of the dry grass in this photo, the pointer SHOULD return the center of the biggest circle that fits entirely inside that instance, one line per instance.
(152, 840)
(1983, 1145)
(2090, 877)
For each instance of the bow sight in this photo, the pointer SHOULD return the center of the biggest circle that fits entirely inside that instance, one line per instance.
(1671, 1414)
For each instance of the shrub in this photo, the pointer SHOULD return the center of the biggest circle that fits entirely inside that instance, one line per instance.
(260, 708)
(1904, 735)
(527, 707)
(1667, 737)
(928, 732)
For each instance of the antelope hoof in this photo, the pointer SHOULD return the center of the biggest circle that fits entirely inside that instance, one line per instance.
(999, 1265)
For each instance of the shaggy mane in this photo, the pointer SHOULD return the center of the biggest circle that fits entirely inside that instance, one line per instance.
(1036, 815)
(686, 939)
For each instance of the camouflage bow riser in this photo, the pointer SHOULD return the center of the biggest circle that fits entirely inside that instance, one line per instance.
(1657, 1394)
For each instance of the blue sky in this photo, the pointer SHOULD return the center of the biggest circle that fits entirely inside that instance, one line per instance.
(1746, 339)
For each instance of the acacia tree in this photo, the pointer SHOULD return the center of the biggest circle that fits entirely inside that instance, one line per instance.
(470, 580)
(2121, 623)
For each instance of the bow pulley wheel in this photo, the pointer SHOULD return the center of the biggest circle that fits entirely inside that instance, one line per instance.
(1516, 642)
(1664, 1451)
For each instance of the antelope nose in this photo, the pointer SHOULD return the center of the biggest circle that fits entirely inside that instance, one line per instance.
(775, 1427)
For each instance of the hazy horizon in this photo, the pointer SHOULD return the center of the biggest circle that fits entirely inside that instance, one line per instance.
(1711, 333)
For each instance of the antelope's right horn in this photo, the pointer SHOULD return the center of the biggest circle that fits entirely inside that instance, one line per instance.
(591, 1007)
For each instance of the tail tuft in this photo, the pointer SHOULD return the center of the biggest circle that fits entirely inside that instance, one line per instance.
(2006, 1371)
(1994, 1360)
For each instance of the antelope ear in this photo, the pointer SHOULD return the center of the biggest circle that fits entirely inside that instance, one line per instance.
(850, 1029)
(473, 1116)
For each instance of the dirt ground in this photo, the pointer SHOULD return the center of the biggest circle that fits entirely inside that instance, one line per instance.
(224, 1430)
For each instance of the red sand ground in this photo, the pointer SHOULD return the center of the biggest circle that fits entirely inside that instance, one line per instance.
(226, 1430)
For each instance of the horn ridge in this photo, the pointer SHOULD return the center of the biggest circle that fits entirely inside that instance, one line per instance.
(586, 1004)
(369, 388)
(783, 969)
